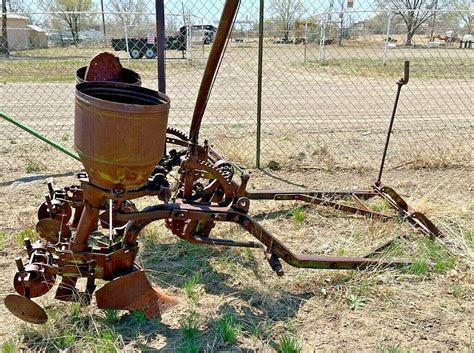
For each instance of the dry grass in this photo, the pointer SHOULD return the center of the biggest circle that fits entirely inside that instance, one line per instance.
(229, 299)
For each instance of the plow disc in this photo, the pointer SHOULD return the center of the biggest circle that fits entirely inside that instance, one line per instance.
(25, 309)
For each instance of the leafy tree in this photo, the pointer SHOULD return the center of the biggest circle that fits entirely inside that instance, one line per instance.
(285, 13)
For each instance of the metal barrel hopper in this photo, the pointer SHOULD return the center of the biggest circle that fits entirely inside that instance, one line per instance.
(119, 132)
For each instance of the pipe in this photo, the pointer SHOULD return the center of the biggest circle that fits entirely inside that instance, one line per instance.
(43, 138)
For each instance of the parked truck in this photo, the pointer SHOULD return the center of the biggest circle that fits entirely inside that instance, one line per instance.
(141, 47)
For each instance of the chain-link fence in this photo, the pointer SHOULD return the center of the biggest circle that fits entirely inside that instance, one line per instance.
(320, 98)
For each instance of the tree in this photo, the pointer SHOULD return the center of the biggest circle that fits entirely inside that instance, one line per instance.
(414, 13)
(16, 6)
(71, 12)
(128, 12)
(4, 36)
(286, 12)
(464, 11)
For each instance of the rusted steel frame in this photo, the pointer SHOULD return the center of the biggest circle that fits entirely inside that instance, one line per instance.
(226, 242)
(215, 56)
(271, 194)
(360, 203)
(418, 219)
(380, 247)
(273, 245)
(340, 207)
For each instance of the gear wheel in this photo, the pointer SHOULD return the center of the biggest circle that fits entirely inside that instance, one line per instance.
(217, 180)
(177, 133)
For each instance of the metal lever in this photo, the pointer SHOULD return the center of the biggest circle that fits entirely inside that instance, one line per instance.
(403, 81)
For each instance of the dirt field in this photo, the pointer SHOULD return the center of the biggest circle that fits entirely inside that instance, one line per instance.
(325, 125)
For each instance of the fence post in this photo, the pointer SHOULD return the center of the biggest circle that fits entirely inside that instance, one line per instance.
(259, 83)
(386, 39)
(160, 44)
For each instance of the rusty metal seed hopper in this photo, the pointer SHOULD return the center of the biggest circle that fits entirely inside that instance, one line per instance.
(120, 135)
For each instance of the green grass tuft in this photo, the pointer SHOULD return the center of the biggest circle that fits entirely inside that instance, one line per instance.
(32, 166)
(8, 347)
(111, 316)
(190, 328)
(432, 254)
(26, 233)
(288, 344)
(190, 287)
(228, 329)
(298, 215)
(138, 317)
(3, 238)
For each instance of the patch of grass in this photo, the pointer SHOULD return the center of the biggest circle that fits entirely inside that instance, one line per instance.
(3, 238)
(420, 267)
(190, 287)
(432, 254)
(32, 166)
(26, 233)
(288, 344)
(8, 347)
(298, 215)
(138, 317)
(228, 329)
(64, 341)
(425, 68)
(458, 290)
(469, 236)
(111, 316)
(190, 328)
(394, 349)
(356, 302)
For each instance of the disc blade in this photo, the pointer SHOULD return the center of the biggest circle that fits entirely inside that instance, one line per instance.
(25, 309)
(49, 229)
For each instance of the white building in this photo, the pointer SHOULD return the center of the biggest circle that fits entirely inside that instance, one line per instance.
(23, 36)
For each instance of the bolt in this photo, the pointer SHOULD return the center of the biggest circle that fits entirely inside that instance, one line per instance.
(19, 264)
(27, 243)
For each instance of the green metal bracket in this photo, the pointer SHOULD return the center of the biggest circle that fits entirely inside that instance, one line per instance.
(36, 134)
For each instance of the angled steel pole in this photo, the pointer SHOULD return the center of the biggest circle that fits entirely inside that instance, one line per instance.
(400, 83)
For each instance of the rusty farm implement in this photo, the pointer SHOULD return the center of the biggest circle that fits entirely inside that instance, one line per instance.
(91, 229)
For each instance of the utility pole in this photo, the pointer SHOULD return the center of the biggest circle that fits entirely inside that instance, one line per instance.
(103, 18)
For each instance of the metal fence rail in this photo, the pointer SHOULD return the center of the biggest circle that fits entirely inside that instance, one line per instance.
(313, 89)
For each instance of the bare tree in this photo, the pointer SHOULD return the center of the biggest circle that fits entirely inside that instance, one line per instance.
(128, 12)
(16, 6)
(414, 13)
(464, 11)
(71, 12)
(286, 12)
(4, 37)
